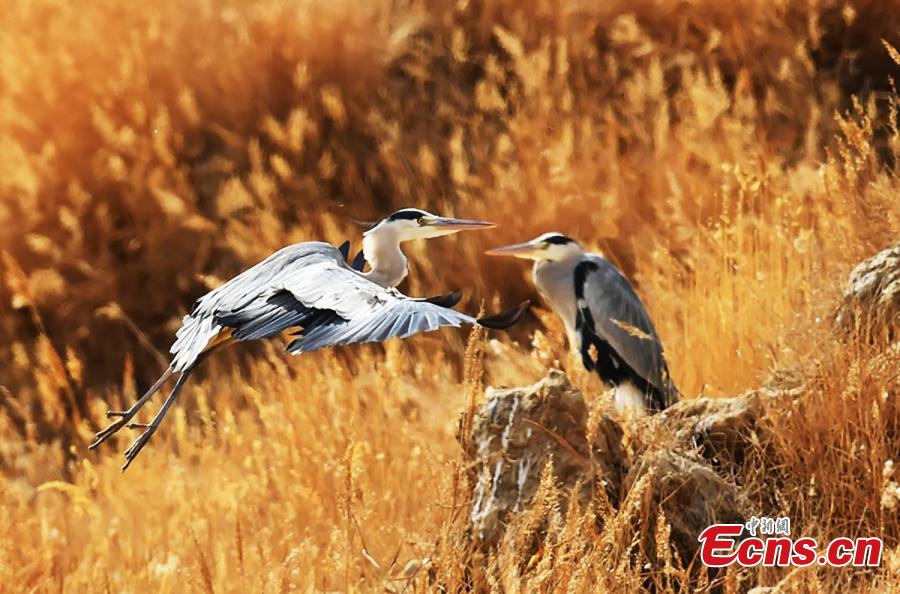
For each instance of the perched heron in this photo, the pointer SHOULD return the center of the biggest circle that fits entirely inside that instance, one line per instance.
(605, 321)
(309, 287)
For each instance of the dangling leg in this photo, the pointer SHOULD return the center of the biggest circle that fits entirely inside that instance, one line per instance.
(142, 439)
(126, 415)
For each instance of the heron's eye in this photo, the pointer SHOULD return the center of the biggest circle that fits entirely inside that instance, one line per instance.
(421, 221)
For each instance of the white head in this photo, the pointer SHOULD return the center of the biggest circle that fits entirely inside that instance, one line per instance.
(381, 243)
(411, 223)
(553, 247)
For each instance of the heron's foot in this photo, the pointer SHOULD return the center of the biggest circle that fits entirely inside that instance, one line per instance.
(138, 444)
(113, 428)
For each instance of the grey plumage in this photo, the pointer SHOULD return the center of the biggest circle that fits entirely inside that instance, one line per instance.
(310, 288)
(294, 287)
(396, 318)
(610, 309)
(605, 320)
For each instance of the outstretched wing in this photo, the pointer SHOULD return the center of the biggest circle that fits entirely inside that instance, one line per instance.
(236, 303)
(307, 285)
(360, 310)
(609, 306)
(400, 317)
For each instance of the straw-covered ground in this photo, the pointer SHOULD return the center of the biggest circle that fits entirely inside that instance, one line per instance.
(736, 159)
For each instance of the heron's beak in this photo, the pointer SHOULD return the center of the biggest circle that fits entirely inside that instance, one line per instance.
(449, 224)
(528, 250)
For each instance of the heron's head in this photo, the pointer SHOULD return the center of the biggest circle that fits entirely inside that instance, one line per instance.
(411, 223)
(554, 247)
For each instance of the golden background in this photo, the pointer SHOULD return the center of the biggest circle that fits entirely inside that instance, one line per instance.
(735, 159)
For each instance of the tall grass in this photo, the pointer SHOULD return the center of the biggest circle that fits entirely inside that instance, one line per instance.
(735, 159)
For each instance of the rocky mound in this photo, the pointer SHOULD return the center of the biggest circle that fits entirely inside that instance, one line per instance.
(518, 431)
(871, 301)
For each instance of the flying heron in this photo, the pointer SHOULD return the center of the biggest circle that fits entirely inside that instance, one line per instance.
(310, 288)
(605, 321)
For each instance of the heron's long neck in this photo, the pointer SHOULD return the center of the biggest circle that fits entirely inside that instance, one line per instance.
(381, 247)
(555, 281)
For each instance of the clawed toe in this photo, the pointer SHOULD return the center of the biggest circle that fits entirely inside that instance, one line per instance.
(105, 434)
(136, 447)
(123, 417)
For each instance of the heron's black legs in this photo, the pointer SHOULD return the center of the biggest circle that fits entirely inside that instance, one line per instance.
(142, 439)
(126, 415)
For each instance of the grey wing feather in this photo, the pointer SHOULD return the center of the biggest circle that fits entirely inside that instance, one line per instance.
(613, 303)
(266, 317)
(400, 317)
(246, 293)
(191, 340)
(308, 285)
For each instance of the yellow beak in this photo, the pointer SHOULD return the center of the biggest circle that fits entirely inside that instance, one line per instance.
(519, 250)
(450, 224)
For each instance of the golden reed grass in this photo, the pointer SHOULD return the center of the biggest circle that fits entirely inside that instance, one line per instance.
(735, 158)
